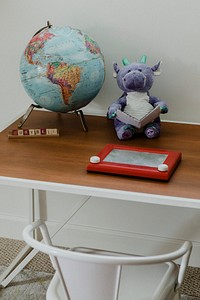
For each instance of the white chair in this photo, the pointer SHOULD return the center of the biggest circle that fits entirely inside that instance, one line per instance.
(90, 274)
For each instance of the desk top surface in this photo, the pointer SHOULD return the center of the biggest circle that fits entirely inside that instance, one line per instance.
(64, 159)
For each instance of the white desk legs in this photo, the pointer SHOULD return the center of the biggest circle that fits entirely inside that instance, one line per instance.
(27, 253)
(22, 259)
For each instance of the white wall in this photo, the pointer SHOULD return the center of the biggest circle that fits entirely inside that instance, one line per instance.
(167, 30)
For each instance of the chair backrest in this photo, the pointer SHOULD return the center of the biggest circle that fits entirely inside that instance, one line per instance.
(96, 272)
(99, 280)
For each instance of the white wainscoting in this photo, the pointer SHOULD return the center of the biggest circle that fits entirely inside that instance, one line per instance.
(109, 223)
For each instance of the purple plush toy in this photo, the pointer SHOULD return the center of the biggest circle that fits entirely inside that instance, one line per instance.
(136, 110)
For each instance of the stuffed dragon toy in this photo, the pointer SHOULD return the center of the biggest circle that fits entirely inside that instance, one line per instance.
(136, 110)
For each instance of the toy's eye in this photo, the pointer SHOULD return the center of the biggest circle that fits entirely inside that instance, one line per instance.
(140, 70)
(129, 71)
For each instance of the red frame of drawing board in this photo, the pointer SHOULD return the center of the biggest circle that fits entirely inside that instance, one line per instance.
(172, 160)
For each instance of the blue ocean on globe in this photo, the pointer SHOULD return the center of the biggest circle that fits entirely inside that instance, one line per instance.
(62, 69)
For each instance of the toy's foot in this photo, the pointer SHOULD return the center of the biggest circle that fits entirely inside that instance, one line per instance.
(152, 131)
(126, 132)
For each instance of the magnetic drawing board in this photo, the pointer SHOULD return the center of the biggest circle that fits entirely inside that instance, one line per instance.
(134, 161)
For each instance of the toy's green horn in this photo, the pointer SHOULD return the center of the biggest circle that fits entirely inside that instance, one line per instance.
(143, 59)
(125, 62)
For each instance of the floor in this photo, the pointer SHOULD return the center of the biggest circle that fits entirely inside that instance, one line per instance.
(27, 285)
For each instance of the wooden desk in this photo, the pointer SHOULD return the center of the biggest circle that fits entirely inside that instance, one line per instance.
(62, 161)
(59, 164)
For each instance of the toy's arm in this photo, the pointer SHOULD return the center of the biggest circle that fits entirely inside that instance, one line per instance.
(118, 104)
(157, 102)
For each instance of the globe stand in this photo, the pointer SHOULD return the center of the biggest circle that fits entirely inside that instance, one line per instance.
(32, 106)
(27, 114)
(80, 114)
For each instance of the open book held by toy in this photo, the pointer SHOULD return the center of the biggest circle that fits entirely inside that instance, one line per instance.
(138, 123)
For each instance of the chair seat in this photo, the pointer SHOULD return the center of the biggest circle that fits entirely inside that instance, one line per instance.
(157, 279)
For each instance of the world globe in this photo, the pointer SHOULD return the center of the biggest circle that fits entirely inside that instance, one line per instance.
(62, 69)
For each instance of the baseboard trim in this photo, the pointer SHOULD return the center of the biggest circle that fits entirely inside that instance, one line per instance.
(12, 227)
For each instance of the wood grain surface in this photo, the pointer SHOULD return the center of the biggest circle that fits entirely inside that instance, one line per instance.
(64, 159)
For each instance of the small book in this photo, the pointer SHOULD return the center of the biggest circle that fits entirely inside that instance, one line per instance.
(148, 118)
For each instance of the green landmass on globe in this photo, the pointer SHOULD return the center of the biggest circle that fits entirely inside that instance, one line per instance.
(62, 69)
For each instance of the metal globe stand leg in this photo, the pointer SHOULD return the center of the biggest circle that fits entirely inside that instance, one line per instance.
(82, 119)
(79, 113)
(27, 114)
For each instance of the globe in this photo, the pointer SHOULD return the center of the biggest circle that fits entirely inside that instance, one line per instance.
(62, 69)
